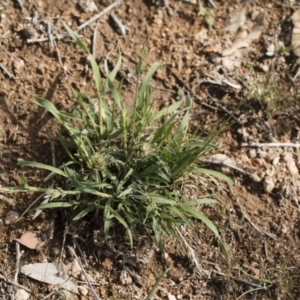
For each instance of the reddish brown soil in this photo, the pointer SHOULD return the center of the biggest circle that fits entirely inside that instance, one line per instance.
(176, 36)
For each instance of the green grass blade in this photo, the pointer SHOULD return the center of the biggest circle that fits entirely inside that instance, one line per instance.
(42, 166)
(123, 222)
(23, 180)
(201, 202)
(224, 251)
(167, 110)
(63, 142)
(213, 173)
(125, 193)
(183, 126)
(162, 200)
(164, 131)
(75, 38)
(115, 94)
(112, 75)
(83, 213)
(156, 226)
(85, 109)
(145, 83)
(96, 75)
(124, 180)
(153, 289)
(203, 218)
(107, 217)
(178, 212)
(49, 106)
(57, 205)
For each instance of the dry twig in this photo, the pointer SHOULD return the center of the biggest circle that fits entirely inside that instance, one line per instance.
(212, 161)
(15, 284)
(292, 145)
(33, 203)
(10, 75)
(100, 14)
(223, 108)
(78, 247)
(18, 257)
(254, 285)
(52, 147)
(84, 273)
(119, 24)
(56, 37)
(260, 230)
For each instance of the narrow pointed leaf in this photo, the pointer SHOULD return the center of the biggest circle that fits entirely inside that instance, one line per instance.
(56, 205)
(167, 110)
(203, 218)
(42, 166)
(213, 173)
(149, 75)
(49, 106)
(75, 38)
(88, 209)
(123, 222)
(201, 202)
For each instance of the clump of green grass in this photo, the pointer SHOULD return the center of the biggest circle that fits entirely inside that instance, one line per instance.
(128, 165)
(264, 88)
(283, 279)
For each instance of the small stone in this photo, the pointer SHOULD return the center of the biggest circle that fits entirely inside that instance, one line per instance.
(11, 217)
(3, 136)
(107, 264)
(75, 268)
(268, 184)
(255, 177)
(18, 64)
(263, 67)
(271, 50)
(290, 163)
(55, 251)
(284, 229)
(88, 5)
(261, 153)
(28, 33)
(125, 278)
(276, 161)
(171, 297)
(21, 295)
(83, 290)
(4, 177)
(252, 153)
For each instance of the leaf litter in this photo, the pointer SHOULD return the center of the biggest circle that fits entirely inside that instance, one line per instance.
(51, 273)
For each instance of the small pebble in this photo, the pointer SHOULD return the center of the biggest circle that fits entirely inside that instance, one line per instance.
(255, 177)
(261, 153)
(4, 177)
(21, 295)
(252, 153)
(290, 163)
(276, 161)
(268, 184)
(83, 290)
(28, 33)
(11, 217)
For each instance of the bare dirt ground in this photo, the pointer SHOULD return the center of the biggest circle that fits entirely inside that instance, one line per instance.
(260, 218)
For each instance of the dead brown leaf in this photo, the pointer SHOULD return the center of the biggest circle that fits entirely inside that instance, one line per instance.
(31, 240)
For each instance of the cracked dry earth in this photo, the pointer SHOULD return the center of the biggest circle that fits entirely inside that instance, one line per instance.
(226, 69)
